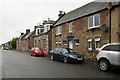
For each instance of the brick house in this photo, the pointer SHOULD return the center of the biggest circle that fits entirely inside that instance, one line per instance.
(25, 41)
(42, 36)
(87, 28)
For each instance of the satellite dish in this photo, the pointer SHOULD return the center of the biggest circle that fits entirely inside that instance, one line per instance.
(104, 28)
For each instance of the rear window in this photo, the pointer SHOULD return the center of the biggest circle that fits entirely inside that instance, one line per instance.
(112, 48)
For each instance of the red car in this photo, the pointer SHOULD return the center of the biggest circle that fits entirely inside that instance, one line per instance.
(37, 52)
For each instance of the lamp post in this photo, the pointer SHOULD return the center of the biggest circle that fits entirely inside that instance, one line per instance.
(109, 9)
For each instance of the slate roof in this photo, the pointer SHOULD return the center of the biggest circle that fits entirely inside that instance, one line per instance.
(83, 11)
(27, 35)
(22, 36)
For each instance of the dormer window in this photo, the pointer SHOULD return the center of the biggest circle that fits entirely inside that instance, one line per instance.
(94, 21)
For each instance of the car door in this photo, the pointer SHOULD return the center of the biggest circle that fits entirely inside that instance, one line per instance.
(56, 54)
(61, 54)
(114, 54)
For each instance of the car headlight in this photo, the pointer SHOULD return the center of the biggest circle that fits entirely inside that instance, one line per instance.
(72, 56)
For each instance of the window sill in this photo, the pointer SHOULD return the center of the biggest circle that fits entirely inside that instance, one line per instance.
(77, 44)
(70, 31)
(93, 28)
(58, 34)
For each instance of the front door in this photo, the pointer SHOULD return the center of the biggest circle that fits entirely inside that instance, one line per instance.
(71, 44)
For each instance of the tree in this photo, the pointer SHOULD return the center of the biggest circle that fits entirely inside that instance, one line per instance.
(13, 42)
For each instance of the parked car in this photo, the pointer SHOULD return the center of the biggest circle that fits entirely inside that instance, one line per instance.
(37, 52)
(65, 55)
(6, 48)
(108, 56)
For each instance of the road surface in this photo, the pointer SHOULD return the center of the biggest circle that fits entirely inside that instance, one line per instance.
(21, 65)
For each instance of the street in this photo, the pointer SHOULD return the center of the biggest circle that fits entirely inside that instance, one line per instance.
(21, 65)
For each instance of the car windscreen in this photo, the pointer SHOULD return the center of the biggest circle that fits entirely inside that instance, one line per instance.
(35, 49)
(70, 50)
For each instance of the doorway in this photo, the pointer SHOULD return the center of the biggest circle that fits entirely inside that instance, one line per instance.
(70, 44)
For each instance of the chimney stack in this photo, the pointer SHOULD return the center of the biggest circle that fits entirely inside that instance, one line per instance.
(61, 13)
(22, 34)
(27, 31)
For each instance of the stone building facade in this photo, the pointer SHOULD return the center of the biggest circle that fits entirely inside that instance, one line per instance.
(25, 41)
(42, 36)
(87, 28)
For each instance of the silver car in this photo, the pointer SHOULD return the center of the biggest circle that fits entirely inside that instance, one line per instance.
(108, 55)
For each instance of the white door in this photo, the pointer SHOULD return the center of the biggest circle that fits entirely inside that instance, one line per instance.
(71, 44)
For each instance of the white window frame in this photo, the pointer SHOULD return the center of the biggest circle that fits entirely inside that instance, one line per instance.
(37, 31)
(58, 30)
(56, 43)
(90, 41)
(93, 16)
(64, 42)
(97, 40)
(76, 42)
(70, 27)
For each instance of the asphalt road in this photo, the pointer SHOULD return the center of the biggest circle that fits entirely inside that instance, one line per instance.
(21, 65)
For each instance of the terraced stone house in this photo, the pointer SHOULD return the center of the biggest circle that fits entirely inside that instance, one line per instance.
(87, 28)
(25, 41)
(42, 38)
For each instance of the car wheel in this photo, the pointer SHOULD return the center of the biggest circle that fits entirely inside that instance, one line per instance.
(65, 60)
(51, 57)
(104, 65)
(31, 54)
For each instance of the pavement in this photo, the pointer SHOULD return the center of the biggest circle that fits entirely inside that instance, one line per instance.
(16, 64)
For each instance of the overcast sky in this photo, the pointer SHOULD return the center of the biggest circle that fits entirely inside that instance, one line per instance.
(18, 15)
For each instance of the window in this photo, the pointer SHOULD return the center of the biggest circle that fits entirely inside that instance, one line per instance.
(38, 32)
(60, 42)
(94, 21)
(97, 43)
(89, 44)
(64, 51)
(70, 27)
(42, 30)
(107, 48)
(46, 28)
(58, 30)
(64, 42)
(56, 43)
(115, 48)
(77, 42)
